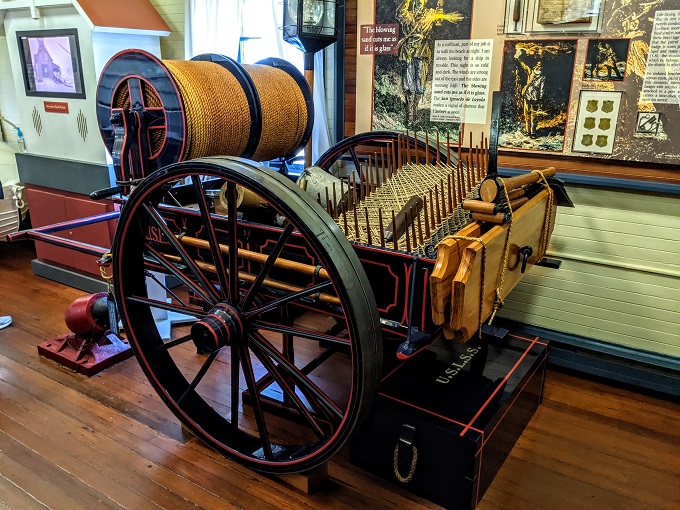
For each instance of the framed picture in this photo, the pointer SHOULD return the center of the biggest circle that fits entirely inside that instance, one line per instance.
(535, 91)
(563, 16)
(50, 63)
(598, 114)
(606, 59)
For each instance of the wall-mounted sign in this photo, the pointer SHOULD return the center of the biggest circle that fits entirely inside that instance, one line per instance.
(379, 39)
(55, 107)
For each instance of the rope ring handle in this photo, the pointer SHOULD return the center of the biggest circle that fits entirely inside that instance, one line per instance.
(412, 470)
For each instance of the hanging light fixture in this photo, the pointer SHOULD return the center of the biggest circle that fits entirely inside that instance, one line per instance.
(309, 25)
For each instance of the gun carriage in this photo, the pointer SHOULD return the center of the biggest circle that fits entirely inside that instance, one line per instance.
(298, 300)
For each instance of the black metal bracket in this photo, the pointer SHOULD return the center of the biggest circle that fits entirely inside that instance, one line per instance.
(415, 338)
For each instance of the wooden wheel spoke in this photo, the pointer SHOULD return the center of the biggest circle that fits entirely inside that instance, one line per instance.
(255, 400)
(184, 255)
(149, 274)
(212, 236)
(310, 390)
(281, 381)
(233, 242)
(160, 258)
(174, 343)
(170, 307)
(309, 334)
(278, 303)
(199, 376)
(271, 260)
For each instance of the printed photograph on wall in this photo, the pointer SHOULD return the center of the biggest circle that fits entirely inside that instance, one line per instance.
(535, 86)
(606, 59)
(402, 83)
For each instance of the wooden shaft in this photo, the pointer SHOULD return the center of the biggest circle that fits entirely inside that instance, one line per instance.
(344, 213)
(335, 203)
(389, 160)
(357, 236)
(516, 204)
(412, 219)
(478, 175)
(451, 203)
(420, 229)
(443, 194)
(408, 148)
(382, 164)
(432, 223)
(396, 228)
(448, 149)
(497, 218)
(436, 202)
(427, 218)
(427, 148)
(408, 240)
(395, 240)
(328, 203)
(267, 282)
(438, 150)
(468, 171)
(490, 208)
(382, 232)
(291, 265)
(354, 190)
(415, 148)
(479, 206)
(516, 193)
(491, 187)
(368, 226)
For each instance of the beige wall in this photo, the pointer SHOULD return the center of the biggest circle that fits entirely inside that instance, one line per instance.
(620, 275)
(173, 12)
(8, 98)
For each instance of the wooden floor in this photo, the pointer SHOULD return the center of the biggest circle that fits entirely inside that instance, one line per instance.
(70, 442)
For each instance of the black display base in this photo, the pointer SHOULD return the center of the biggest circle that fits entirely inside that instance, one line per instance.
(462, 406)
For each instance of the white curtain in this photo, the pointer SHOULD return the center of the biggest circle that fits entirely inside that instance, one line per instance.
(217, 26)
(213, 26)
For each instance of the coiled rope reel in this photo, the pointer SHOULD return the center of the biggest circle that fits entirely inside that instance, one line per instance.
(207, 106)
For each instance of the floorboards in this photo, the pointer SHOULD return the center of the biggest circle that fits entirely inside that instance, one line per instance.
(108, 442)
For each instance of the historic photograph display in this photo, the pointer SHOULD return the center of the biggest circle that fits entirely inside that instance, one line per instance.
(606, 59)
(535, 85)
(402, 83)
(598, 113)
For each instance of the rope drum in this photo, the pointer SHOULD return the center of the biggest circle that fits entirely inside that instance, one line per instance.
(207, 106)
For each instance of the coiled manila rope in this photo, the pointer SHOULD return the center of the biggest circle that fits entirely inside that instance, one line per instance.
(216, 109)
(284, 111)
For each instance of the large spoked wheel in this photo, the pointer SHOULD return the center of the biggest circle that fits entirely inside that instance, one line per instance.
(281, 354)
(356, 148)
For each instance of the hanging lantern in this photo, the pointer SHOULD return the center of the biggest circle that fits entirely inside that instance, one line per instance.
(309, 24)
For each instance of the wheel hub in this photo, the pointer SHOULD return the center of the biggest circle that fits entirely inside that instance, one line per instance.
(221, 327)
